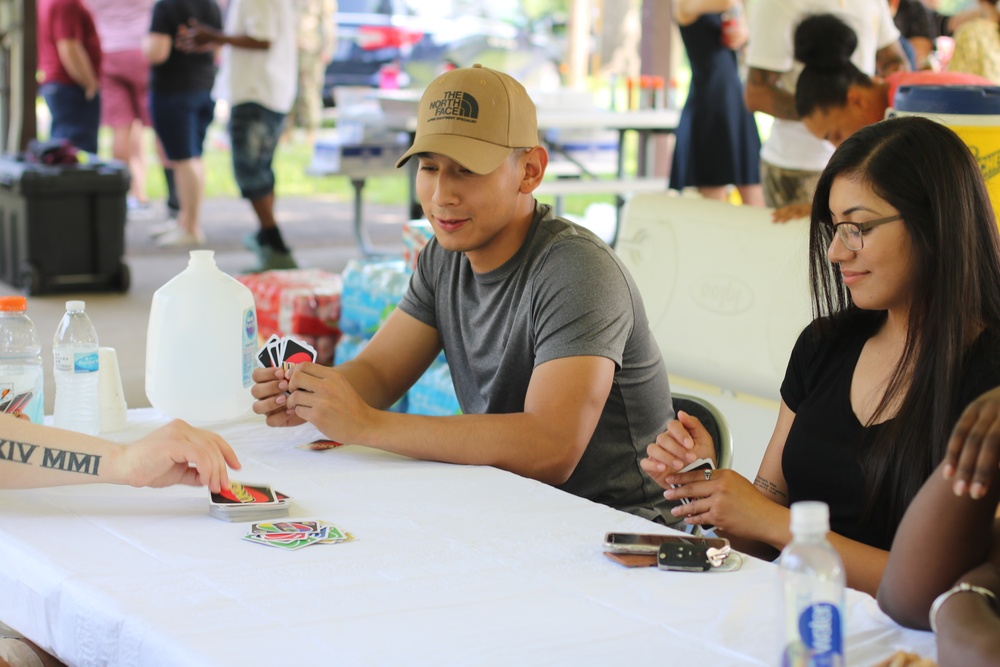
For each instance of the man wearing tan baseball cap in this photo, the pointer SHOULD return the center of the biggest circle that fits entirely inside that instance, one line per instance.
(474, 116)
(555, 368)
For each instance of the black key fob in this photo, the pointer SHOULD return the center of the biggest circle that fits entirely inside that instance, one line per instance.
(683, 557)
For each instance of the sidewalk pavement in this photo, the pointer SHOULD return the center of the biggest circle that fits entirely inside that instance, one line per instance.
(308, 224)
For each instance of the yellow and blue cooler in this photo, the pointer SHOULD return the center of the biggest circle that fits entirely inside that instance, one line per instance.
(973, 112)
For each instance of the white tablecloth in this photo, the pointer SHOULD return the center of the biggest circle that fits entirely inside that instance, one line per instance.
(454, 565)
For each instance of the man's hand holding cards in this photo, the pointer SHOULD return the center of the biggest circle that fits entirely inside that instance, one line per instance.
(284, 352)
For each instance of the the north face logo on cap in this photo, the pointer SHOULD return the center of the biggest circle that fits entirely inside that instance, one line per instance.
(455, 104)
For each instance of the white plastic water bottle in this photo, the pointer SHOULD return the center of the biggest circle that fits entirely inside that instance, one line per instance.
(22, 380)
(201, 345)
(74, 353)
(812, 581)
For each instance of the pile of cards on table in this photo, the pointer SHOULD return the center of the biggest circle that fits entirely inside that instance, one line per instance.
(284, 352)
(248, 502)
(292, 535)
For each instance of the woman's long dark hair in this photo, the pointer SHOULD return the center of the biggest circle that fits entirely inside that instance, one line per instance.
(924, 171)
(824, 44)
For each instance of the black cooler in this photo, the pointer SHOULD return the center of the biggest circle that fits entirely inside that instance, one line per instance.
(62, 227)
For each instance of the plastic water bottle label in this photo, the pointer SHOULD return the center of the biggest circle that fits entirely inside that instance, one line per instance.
(75, 362)
(820, 638)
(249, 345)
(85, 362)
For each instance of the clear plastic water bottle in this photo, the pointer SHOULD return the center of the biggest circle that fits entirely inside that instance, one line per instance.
(812, 582)
(22, 380)
(75, 356)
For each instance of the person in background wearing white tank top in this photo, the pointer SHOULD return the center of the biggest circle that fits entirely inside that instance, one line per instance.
(791, 158)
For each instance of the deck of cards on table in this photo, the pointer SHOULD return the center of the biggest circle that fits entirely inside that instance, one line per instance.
(292, 535)
(248, 502)
(285, 352)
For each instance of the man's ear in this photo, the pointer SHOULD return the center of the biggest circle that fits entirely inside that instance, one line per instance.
(535, 161)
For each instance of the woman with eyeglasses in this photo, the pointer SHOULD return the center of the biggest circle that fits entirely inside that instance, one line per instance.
(904, 268)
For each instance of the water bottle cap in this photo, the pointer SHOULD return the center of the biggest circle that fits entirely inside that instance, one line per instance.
(13, 304)
(75, 305)
(810, 516)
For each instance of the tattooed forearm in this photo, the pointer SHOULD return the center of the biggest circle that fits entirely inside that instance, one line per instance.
(55, 459)
(765, 93)
(769, 487)
(18, 452)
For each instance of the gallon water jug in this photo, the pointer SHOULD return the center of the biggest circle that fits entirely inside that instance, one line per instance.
(201, 345)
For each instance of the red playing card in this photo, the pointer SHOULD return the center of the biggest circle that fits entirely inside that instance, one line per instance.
(242, 494)
(297, 352)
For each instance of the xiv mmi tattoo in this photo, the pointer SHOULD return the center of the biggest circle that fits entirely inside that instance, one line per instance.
(769, 486)
(56, 459)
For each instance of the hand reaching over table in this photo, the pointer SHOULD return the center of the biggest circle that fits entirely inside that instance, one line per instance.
(34, 455)
(178, 453)
(973, 454)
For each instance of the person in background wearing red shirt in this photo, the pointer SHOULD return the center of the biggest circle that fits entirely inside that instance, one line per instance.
(69, 58)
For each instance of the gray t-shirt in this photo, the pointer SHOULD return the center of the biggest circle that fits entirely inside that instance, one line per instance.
(564, 294)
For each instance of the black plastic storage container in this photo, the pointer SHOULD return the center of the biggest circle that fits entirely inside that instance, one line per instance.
(62, 227)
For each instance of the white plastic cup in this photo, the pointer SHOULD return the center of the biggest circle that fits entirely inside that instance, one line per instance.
(114, 409)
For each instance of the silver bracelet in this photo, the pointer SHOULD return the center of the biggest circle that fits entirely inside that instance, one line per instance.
(963, 587)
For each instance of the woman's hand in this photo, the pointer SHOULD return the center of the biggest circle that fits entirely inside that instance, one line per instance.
(728, 501)
(685, 441)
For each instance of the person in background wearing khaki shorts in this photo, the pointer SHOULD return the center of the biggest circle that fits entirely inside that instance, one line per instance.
(791, 158)
(317, 41)
(257, 56)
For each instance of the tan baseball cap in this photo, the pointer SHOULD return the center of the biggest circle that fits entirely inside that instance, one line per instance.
(474, 116)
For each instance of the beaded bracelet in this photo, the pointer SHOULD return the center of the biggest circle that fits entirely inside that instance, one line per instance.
(963, 587)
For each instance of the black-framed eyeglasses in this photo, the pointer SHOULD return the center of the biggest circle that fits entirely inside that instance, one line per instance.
(851, 234)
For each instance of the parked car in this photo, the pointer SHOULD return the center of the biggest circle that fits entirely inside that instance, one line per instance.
(392, 43)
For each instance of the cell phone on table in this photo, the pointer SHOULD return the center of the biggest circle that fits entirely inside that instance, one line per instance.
(649, 543)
